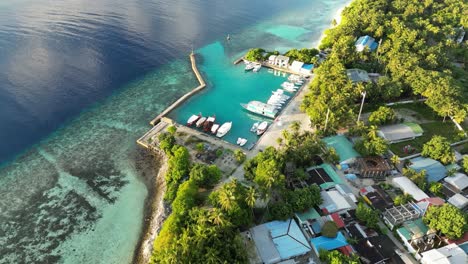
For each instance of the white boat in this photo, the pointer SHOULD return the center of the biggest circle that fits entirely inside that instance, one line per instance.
(193, 119)
(281, 96)
(238, 141)
(254, 127)
(214, 128)
(224, 129)
(287, 85)
(242, 142)
(262, 128)
(257, 67)
(201, 121)
(249, 67)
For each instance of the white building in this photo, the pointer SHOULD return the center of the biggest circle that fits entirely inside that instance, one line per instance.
(407, 186)
(296, 66)
(458, 201)
(272, 59)
(334, 201)
(281, 61)
(451, 253)
(459, 181)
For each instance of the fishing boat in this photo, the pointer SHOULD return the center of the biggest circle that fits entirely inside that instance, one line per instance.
(224, 129)
(254, 127)
(262, 128)
(201, 121)
(214, 128)
(257, 67)
(260, 108)
(249, 67)
(193, 119)
(209, 123)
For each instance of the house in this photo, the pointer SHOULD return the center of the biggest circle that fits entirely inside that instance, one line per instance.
(281, 61)
(279, 240)
(271, 59)
(458, 200)
(407, 186)
(400, 132)
(399, 214)
(417, 237)
(358, 75)
(376, 197)
(450, 254)
(366, 41)
(296, 66)
(327, 243)
(375, 250)
(334, 201)
(323, 175)
(435, 171)
(343, 147)
(459, 181)
(376, 167)
(306, 69)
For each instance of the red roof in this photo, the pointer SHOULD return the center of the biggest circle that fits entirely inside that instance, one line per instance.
(325, 211)
(337, 219)
(461, 240)
(347, 250)
(434, 201)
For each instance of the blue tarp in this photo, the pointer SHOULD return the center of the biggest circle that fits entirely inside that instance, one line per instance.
(435, 171)
(288, 238)
(329, 243)
(351, 176)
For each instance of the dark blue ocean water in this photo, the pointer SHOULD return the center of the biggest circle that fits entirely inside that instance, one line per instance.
(79, 82)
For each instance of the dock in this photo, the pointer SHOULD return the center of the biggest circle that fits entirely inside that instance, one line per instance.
(238, 60)
(201, 86)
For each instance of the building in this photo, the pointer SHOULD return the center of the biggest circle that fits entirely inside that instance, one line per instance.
(376, 197)
(279, 240)
(323, 175)
(366, 42)
(334, 201)
(271, 59)
(400, 132)
(435, 171)
(358, 75)
(459, 181)
(376, 167)
(306, 69)
(296, 66)
(344, 148)
(450, 254)
(281, 61)
(407, 186)
(459, 201)
(327, 243)
(417, 237)
(399, 214)
(375, 250)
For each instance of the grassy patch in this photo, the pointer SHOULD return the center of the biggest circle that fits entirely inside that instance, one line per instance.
(421, 109)
(446, 129)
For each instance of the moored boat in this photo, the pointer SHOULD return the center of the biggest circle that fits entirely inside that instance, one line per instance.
(249, 67)
(209, 123)
(260, 108)
(262, 128)
(201, 121)
(254, 127)
(224, 129)
(193, 119)
(214, 128)
(257, 67)
(242, 142)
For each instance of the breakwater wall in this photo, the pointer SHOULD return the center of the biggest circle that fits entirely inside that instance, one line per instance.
(201, 86)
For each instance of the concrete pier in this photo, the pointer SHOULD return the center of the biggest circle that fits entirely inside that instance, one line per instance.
(186, 96)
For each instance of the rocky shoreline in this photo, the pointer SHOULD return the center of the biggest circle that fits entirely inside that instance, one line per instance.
(155, 211)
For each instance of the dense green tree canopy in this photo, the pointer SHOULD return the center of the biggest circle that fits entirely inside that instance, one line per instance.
(178, 168)
(447, 219)
(255, 54)
(367, 215)
(304, 55)
(371, 144)
(205, 175)
(439, 148)
(336, 257)
(381, 116)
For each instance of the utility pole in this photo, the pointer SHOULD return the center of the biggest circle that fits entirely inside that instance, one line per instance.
(362, 105)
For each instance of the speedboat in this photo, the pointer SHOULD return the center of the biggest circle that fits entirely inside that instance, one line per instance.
(209, 123)
(214, 128)
(257, 67)
(287, 85)
(201, 121)
(262, 128)
(242, 142)
(249, 67)
(224, 129)
(254, 127)
(193, 119)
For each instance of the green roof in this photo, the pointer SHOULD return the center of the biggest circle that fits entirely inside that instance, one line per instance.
(309, 214)
(344, 148)
(414, 228)
(417, 129)
(404, 232)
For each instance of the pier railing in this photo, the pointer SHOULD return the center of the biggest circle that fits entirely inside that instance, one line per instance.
(186, 96)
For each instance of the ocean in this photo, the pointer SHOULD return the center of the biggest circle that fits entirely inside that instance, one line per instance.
(79, 82)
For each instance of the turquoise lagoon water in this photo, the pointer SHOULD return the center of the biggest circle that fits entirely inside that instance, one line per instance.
(77, 196)
(228, 86)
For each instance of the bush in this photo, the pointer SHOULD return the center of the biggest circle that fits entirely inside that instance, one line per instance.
(280, 211)
(239, 155)
(439, 148)
(381, 116)
(204, 175)
(329, 229)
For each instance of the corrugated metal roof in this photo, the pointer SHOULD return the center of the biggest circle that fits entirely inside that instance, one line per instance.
(329, 243)
(344, 148)
(435, 171)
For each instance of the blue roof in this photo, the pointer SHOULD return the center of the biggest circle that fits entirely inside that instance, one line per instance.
(344, 148)
(329, 243)
(288, 238)
(367, 41)
(435, 171)
(308, 66)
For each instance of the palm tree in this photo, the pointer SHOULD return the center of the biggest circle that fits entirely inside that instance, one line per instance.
(295, 126)
(226, 198)
(395, 160)
(218, 218)
(251, 198)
